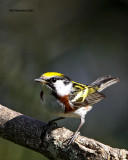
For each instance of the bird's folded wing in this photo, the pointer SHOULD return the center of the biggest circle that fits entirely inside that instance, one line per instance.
(90, 99)
(94, 98)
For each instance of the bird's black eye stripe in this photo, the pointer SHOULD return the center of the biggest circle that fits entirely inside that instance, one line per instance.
(53, 80)
(67, 80)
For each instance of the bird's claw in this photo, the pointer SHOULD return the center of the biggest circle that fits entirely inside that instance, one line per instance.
(72, 138)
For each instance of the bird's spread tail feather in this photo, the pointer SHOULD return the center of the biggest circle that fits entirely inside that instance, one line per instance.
(104, 82)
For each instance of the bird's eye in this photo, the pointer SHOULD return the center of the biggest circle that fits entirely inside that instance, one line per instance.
(53, 80)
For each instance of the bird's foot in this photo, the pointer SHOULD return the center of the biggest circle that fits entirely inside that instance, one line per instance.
(72, 138)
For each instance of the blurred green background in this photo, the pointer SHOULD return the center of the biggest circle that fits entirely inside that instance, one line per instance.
(84, 39)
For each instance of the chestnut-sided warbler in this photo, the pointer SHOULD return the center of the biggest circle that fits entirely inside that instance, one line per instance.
(67, 98)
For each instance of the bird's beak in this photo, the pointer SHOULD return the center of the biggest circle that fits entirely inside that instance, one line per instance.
(40, 80)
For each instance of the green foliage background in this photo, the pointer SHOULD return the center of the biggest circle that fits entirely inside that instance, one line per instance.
(84, 39)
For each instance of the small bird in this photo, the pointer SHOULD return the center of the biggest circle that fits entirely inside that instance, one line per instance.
(66, 98)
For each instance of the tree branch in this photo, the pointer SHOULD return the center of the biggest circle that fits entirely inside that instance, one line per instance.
(26, 132)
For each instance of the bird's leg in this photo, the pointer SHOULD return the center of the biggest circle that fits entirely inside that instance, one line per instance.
(74, 136)
(47, 125)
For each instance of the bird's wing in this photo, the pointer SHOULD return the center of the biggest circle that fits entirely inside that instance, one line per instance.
(79, 92)
(83, 95)
(94, 98)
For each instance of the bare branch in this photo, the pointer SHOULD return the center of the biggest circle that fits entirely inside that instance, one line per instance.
(26, 131)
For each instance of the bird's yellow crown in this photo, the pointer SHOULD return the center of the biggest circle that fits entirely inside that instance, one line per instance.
(52, 74)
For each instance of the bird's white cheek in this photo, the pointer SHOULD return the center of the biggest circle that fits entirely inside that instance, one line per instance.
(63, 89)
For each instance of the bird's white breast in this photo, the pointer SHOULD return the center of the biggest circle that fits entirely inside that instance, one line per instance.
(50, 102)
